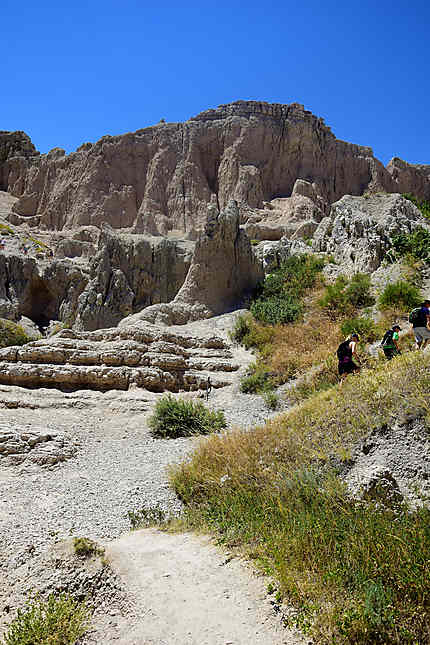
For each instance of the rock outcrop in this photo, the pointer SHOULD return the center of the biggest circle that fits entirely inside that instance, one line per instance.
(223, 269)
(128, 273)
(162, 178)
(19, 444)
(141, 355)
(359, 230)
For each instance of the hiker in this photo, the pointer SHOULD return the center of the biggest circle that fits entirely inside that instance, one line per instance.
(346, 351)
(390, 342)
(420, 318)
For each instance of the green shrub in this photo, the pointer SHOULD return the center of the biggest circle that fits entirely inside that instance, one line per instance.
(400, 294)
(415, 245)
(58, 620)
(344, 296)
(423, 205)
(277, 310)
(241, 328)
(257, 380)
(181, 418)
(85, 547)
(358, 291)
(363, 326)
(279, 297)
(12, 334)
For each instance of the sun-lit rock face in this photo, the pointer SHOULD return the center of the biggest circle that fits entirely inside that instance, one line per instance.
(161, 179)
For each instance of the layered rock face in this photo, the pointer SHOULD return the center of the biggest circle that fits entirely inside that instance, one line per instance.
(162, 178)
(141, 355)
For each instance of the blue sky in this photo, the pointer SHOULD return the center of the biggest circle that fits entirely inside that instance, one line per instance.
(74, 71)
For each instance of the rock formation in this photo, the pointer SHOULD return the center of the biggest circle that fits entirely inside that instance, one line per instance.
(223, 269)
(359, 230)
(162, 178)
(141, 355)
(32, 444)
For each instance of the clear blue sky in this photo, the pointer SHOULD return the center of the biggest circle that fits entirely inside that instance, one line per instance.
(74, 71)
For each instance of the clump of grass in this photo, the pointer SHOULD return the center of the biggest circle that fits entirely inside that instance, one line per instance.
(181, 418)
(12, 334)
(357, 572)
(86, 548)
(58, 620)
(251, 334)
(271, 399)
(344, 296)
(257, 380)
(400, 293)
(322, 378)
(280, 297)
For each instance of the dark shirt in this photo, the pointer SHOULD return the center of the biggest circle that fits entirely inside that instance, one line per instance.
(422, 320)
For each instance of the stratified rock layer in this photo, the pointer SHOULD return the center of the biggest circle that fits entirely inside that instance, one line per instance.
(162, 178)
(141, 356)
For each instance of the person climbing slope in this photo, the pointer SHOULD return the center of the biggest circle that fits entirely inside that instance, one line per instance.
(346, 352)
(420, 318)
(390, 342)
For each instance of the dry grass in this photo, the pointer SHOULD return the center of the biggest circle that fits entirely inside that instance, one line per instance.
(356, 573)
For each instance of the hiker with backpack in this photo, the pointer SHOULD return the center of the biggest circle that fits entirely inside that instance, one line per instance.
(390, 342)
(420, 318)
(346, 351)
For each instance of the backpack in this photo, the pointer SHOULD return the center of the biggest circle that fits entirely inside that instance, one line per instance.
(416, 316)
(388, 337)
(343, 350)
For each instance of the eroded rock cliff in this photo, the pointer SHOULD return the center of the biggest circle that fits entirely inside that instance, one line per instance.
(162, 178)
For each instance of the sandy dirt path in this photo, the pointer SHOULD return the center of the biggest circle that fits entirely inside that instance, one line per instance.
(187, 592)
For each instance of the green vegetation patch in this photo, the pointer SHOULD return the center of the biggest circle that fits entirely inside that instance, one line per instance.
(344, 296)
(12, 334)
(422, 204)
(400, 294)
(85, 547)
(279, 299)
(363, 325)
(58, 620)
(415, 245)
(357, 572)
(181, 418)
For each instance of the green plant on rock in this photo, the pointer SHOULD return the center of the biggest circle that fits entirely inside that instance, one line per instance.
(257, 380)
(400, 294)
(12, 334)
(416, 245)
(181, 418)
(58, 620)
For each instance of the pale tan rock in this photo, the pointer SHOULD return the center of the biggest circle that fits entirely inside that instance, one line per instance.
(223, 269)
(163, 178)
